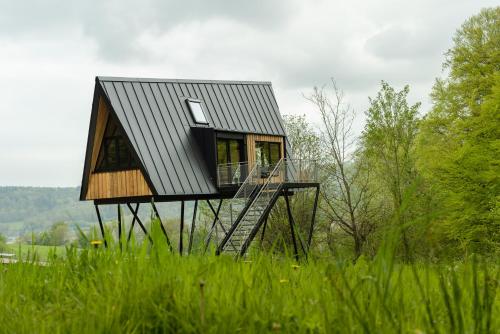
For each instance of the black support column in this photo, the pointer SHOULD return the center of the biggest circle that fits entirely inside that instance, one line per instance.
(193, 227)
(181, 229)
(216, 218)
(292, 230)
(313, 218)
(119, 226)
(139, 221)
(157, 214)
(101, 225)
(134, 213)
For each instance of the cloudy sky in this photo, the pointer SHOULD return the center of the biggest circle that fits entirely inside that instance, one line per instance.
(50, 52)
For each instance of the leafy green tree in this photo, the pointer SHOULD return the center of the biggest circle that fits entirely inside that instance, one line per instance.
(388, 142)
(304, 140)
(459, 141)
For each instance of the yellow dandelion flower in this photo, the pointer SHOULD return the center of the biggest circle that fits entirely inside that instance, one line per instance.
(96, 242)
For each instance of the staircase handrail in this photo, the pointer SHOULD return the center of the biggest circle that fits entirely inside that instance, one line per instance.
(247, 207)
(254, 168)
(266, 183)
(271, 175)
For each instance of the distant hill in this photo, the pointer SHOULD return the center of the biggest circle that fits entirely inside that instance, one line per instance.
(25, 209)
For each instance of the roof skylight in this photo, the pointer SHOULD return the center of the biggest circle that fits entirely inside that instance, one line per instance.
(197, 111)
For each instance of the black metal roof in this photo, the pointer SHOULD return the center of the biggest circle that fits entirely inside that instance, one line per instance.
(158, 123)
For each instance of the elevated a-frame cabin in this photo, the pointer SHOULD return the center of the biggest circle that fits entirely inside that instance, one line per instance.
(156, 140)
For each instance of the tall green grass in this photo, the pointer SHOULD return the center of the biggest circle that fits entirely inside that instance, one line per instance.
(146, 289)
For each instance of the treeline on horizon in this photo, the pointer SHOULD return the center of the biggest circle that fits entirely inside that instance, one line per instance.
(432, 174)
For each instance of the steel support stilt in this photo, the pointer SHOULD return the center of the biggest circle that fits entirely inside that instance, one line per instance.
(133, 223)
(313, 218)
(101, 226)
(292, 230)
(119, 226)
(216, 217)
(139, 222)
(181, 229)
(193, 226)
(162, 227)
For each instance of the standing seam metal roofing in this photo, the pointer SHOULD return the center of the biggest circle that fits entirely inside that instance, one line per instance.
(158, 122)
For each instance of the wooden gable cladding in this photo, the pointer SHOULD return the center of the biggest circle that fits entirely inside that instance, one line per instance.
(115, 184)
(252, 138)
(127, 183)
(102, 120)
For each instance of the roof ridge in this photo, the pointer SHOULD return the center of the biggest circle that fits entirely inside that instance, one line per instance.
(210, 81)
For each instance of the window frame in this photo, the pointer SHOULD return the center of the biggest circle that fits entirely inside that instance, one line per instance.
(191, 101)
(227, 143)
(116, 138)
(267, 144)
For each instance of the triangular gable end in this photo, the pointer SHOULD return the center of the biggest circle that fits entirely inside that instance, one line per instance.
(111, 168)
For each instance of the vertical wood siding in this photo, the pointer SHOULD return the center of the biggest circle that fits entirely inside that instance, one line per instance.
(104, 185)
(251, 139)
(102, 119)
(127, 183)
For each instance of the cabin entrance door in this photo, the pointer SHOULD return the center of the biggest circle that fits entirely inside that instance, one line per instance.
(267, 155)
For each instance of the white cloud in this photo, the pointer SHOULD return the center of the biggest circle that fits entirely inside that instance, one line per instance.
(51, 51)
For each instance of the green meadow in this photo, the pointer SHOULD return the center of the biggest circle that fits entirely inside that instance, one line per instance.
(41, 252)
(150, 289)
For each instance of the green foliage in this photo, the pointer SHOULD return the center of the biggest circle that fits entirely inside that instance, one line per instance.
(3, 243)
(459, 145)
(38, 252)
(304, 140)
(388, 144)
(57, 235)
(101, 291)
(388, 139)
(27, 210)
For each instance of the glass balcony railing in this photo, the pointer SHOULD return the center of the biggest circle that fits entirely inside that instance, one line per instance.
(296, 171)
(232, 174)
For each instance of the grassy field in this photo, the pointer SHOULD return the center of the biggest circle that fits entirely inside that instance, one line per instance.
(40, 252)
(152, 290)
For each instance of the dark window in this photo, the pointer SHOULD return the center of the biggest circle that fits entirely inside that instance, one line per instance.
(197, 111)
(229, 155)
(267, 153)
(222, 154)
(114, 153)
(229, 151)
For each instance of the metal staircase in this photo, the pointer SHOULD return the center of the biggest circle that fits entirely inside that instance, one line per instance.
(241, 217)
(250, 208)
(231, 210)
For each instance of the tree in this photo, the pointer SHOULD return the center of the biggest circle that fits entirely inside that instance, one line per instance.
(388, 141)
(458, 145)
(346, 197)
(304, 140)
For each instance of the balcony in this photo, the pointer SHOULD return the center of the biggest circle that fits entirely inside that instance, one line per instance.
(290, 171)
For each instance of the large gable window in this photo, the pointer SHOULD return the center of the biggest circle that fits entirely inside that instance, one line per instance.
(197, 111)
(114, 153)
